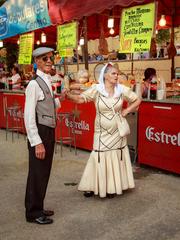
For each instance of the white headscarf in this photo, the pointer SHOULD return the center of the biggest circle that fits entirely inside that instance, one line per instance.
(101, 87)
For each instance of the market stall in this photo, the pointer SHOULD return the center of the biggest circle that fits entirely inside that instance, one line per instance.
(153, 132)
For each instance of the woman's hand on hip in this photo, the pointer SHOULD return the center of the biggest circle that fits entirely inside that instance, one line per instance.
(124, 112)
(40, 151)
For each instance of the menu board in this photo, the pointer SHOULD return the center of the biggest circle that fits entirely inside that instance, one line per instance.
(137, 28)
(66, 39)
(25, 48)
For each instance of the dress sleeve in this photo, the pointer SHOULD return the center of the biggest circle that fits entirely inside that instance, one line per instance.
(129, 95)
(90, 94)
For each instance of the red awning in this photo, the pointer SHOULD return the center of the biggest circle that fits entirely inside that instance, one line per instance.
(98, 11)
(62, 11)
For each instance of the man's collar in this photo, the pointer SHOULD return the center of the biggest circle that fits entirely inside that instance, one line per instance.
(42, 74)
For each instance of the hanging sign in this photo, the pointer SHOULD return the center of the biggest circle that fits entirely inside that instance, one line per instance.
(17, 17)
(66, 52)
(136, 29)
(25, 48)
(66, 39)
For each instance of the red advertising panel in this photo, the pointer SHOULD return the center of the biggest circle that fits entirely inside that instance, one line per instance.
(7, 100)
(84, 118)
(159, 135)
(84, 122)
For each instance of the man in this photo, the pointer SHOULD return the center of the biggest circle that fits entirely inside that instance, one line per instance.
(40, 122)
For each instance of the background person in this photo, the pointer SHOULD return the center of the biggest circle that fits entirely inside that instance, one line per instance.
(108, 170)
(40, 122)
(149, 74)
(16, 78)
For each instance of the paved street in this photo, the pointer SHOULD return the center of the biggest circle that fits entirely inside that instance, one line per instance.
(150, 212)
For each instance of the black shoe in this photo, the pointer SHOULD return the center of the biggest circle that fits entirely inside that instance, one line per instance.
(41, 220)
(109, 195)
(48, 213)
(88, 194)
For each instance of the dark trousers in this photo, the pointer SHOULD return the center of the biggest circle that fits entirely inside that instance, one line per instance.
(39, 172)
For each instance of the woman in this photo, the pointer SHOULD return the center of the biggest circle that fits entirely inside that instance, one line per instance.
(108, 170)
(16, 78)
(149, 74)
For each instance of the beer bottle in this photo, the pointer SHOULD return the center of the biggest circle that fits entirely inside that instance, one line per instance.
(153, 89)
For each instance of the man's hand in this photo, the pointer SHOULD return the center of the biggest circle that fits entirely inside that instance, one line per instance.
(40, 151)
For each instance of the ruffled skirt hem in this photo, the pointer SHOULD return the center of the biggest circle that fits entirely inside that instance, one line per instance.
(111, 174)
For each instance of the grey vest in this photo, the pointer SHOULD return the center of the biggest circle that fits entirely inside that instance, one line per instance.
(45, 109)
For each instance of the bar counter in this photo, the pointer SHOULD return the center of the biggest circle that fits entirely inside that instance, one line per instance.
(167, 100)
(12, 91)
(155, 130)
(85, 114)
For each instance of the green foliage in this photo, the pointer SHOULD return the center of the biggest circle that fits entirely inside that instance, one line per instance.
(163, 36)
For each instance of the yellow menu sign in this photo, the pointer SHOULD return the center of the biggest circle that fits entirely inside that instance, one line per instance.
(66, 39)
(66, 52)
(25, 48)
(136, 29)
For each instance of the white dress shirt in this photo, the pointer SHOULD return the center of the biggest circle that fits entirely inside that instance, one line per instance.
(33, 94)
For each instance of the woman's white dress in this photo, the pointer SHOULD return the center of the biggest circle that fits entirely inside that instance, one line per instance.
(108, 169)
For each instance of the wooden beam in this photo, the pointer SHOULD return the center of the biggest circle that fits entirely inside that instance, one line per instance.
(85, 48)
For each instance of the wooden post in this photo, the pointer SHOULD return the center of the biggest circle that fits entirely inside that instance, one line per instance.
(65, 66)
(172, 39)
(132, 63)
(85, 48)
(77, 47)
(172, 60)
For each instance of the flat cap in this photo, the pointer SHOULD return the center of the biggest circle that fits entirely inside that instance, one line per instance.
(41, 51)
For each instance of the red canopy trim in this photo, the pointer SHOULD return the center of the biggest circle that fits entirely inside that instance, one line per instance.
(62, 11)
(68, 10)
